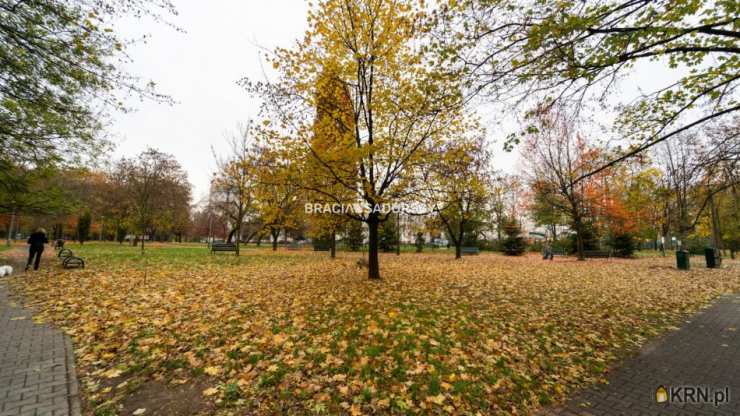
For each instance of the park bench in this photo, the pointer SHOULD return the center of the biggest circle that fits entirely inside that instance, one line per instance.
(321, 246)
(69, 260)
(594, 254)
(223, 247)
(73, 262)
(469, 251)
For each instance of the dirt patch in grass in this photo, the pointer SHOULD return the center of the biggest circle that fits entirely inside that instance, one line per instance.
(149, 397)
(161, 399)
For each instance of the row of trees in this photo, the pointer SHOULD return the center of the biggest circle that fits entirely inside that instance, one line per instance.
(372, 106)
(61, 75)
(677, 190)
(146, 197)
(687, 186)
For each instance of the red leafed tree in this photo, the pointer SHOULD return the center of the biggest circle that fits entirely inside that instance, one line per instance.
(557, 155)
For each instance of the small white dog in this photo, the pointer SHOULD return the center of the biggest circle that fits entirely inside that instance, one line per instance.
(6, 271)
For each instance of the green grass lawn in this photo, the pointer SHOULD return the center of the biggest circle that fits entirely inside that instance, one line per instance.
(198, 253)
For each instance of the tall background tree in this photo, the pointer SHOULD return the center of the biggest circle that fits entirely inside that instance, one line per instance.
(332, 144)
(234, 184)
(399, 99)
(456, 180)
(557, 155)
(150, 180)
(61, 73)
(59, 61)
(278, 194)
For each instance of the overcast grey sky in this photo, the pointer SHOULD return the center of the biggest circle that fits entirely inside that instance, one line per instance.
(200, 69)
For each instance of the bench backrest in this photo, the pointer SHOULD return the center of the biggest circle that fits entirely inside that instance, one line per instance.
(73, 263)
(223, 247)
(227, 245)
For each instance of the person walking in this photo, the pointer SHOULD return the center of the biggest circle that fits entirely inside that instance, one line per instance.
(36, 243)
(547, 253)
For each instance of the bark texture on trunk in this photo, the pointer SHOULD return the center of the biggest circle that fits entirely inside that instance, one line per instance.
(333, 244)
(716, 230)
(373, 267)
(579, 239)
(275, 236)
(9, 241)
(238, 241)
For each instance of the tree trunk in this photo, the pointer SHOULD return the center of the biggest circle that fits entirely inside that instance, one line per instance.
(736, 203)
(579, 246)
(398, 234)
(716, 231)
(579, 239)
(459, 240)
(333, 244)
(275, 235)
(373, 267)
(238, 239)
(11, 226)
(142, 244)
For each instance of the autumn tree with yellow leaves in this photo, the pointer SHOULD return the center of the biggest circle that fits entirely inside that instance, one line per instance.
(457, 186)
(234, 184)
(399, 99)
(277, 194)
(332, 143)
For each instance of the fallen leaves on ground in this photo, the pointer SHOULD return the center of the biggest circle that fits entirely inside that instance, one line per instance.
(484, 334)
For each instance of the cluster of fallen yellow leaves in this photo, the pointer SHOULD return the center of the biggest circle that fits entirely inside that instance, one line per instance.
(482, 335)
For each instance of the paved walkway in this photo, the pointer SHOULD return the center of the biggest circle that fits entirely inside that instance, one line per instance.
(37, 375)
(704, 352)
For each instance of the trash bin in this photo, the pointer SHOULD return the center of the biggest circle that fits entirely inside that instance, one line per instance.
(712, 256)
(682, 260)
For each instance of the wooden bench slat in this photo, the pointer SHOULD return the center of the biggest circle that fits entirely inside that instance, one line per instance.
(223, 247)
(72, 262)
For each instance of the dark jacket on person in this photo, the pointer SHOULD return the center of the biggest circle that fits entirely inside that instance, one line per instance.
(37, 240)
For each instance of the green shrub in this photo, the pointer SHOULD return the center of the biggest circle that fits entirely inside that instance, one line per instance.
(322, 242)
(623, 244)
(513, 244)
(388, 238)
(355, 235)
(590, 239)
(419, 242)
